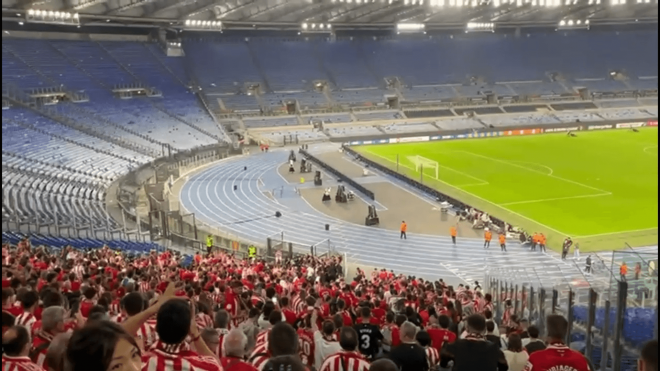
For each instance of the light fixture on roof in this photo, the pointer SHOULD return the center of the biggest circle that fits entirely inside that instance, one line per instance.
(480, 27)
(201, 25)
(315, 27)
(568, 24)
(410, 27)
(50, 16)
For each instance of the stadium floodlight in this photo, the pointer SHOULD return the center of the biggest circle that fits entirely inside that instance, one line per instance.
(408, 27)
(50, 16)
(573, 24)
(480, 27)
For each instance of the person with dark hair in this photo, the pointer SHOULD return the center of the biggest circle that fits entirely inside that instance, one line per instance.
(174, 322)
(348, 359)
(133, 305)
(16, 349)
(557, 355)
(286, 362)
(8, 320)
(490, 335)
(102, 346)
(369, 335)
(515, 354)
(282, 341)
(324, 343)
(649, 357)
(98, 313)
(432, 354)
(533, 344)
(88, 294)
(463, 351)
(409, 355)
(29, 302)
(383, 364)
(221, 322)
(438, 330)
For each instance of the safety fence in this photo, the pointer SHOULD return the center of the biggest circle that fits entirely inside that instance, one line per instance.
(612, 307)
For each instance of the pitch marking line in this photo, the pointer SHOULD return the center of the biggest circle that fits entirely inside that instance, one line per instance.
(555, 199)
(534, 171)
(480, 181)
(646, 150)
(481, 198)
(620, 232)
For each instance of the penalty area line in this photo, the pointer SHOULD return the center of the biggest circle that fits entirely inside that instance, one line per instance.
(555, 199)
(620, 232)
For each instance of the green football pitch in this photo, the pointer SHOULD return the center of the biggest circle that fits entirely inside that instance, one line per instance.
(600, 188)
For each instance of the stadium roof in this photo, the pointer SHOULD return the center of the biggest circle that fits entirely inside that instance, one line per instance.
(287, 14)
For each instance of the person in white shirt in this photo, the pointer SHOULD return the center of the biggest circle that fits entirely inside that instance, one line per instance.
(324, 345)
(515, 354)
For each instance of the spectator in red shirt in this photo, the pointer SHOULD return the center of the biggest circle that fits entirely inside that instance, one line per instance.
(52, 324)
(15, 350)
(288, 314)
(235, 344)
(557, 356)
(88, 301)
(8, 302)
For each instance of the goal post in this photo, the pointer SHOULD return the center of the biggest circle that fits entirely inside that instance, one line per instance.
(426, 166)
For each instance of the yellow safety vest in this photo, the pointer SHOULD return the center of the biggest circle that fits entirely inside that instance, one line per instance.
(252, 251)
(209, 241)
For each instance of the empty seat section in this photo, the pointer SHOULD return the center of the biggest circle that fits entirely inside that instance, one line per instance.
(346, 65)
(222, 67)
(288, 65)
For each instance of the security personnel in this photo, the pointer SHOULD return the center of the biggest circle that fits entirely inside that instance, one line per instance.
(503, 241)
(252, 252)
(209, 243)
(453, 233)
(623, 270)
(488, 235)
(404, 229)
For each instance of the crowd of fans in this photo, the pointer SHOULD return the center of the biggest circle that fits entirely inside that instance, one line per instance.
(101, 310)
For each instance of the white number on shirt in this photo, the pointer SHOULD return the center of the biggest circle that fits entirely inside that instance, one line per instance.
(366, 342)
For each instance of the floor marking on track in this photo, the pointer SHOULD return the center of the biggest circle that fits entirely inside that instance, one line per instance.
(554, 199)
(482, 199)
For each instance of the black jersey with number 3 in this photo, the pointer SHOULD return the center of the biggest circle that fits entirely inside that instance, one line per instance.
(368, 339)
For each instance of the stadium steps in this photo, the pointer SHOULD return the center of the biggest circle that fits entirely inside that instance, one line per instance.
(181, 120)
(55, 167)
(370, 68)
(31, 67)
(114, 59)
(80, 67)
(164, 65)
(256, 63)
(326, 71)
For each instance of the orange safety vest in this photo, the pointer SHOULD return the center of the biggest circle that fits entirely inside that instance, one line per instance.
(542, 239)
(502, 238)
(488, 236)
(452, 231)
(624, 270)
(404, 227)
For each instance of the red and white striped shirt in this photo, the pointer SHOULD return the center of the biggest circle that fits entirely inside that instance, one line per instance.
(220, 351)
(164, 357)
(78, 270)
(26, 319)
(345, 361)
(203, 320)
(144, 286)
(147, 333)
(19, 364)
(433, 357)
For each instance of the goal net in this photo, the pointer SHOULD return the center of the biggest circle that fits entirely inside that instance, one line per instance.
(425, 165)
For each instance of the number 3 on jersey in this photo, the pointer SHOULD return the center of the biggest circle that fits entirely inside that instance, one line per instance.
(366, 342)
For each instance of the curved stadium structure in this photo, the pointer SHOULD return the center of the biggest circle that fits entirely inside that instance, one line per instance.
(141, 140)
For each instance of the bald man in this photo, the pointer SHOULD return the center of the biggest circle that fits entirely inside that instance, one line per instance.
(383, 365)
(16, 345)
